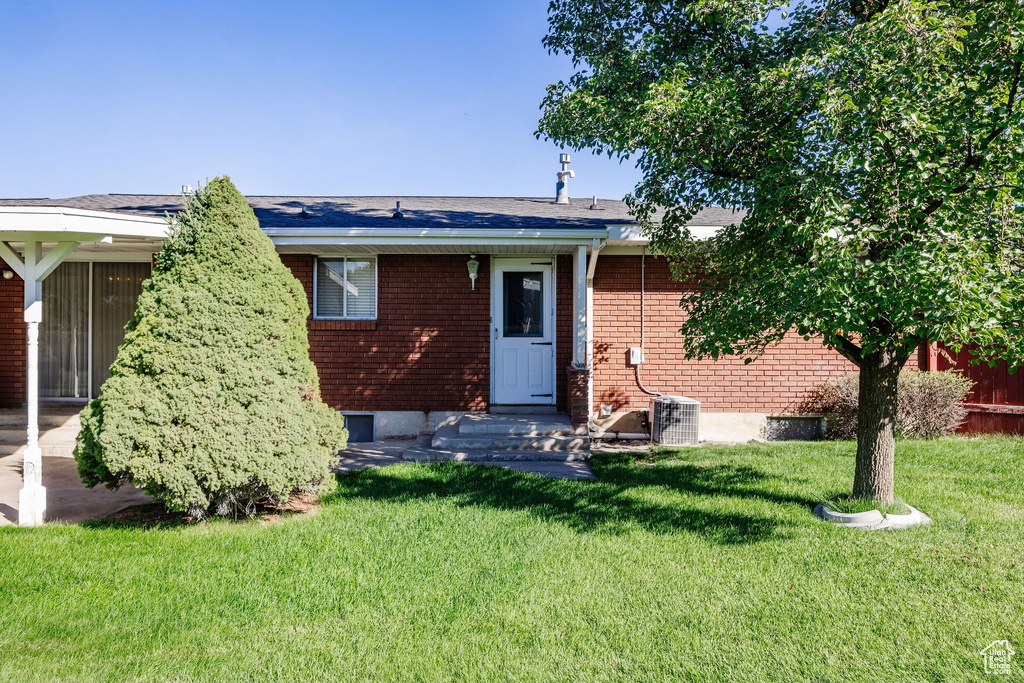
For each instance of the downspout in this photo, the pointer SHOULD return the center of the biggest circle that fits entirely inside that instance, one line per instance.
(595, 248)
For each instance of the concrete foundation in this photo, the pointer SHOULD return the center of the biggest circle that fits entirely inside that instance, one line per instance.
(731, 427)
(405, 424)
(795, 427)
(714, 427)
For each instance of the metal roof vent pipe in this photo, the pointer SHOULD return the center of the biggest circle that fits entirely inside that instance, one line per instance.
(562, 187)
(398, 211)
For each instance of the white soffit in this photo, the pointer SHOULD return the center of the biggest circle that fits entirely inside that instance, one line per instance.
(331, 241)
(371, 248)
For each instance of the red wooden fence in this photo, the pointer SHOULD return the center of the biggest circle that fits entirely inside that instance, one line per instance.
(996, 403)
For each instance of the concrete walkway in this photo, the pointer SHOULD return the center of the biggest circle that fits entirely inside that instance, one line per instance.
(67, 500)
(359, 456)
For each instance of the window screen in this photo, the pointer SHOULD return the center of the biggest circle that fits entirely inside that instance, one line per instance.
(346, 288)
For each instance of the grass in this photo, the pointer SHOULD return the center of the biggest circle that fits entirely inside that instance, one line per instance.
(847, 504)
(705, 565)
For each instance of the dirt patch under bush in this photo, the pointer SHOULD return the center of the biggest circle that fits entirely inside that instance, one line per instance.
(155, 514)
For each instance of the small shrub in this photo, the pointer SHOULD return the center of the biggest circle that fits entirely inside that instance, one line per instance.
(930, 404)
(212, 402)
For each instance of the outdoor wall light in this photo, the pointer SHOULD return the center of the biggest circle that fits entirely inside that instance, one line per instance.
(474, 268)
(8, 274)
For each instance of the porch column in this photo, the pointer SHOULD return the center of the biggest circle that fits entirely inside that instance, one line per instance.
(33, 268)
(32, 499)
(579, 306)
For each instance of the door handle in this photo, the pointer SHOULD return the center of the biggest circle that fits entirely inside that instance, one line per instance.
(541, 343)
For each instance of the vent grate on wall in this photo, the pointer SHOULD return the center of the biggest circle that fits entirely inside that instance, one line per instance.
(360, 427)
(675, 421)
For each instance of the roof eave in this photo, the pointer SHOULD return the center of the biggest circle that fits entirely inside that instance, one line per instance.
(49, 223)
(438, 236)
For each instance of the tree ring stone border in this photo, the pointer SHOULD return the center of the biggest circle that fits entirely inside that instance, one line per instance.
(872, 520)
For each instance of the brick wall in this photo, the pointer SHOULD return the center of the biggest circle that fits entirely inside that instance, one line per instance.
(429, 348)
(12, 342)
(776, 382)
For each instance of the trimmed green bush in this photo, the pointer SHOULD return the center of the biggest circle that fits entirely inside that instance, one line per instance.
(930, 404)
(213, 403)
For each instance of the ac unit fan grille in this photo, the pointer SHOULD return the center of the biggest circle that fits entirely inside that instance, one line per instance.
(675, 421)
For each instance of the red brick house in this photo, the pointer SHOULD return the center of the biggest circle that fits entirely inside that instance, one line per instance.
(423, 309)
(403, 337)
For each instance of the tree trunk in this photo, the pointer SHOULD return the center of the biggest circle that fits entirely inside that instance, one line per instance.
(876, 426)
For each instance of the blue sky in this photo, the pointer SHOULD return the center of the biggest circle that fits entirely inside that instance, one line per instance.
(338, 98)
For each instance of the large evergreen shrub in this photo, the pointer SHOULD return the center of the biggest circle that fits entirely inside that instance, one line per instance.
(213, 402)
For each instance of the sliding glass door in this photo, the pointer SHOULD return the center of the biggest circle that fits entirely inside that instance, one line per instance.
(115, 291)
(64, 333)
(85, 309)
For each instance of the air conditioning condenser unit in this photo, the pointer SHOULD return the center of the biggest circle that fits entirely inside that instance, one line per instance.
(675, 421)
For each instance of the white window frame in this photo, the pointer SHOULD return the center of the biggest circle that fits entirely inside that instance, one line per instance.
(345, 258)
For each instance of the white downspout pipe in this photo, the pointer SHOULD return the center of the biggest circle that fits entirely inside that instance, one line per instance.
(595, 249)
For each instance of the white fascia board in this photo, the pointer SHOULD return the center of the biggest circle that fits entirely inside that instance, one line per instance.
(49, 223)
(632, 235)
(625, 233)
(427, 236)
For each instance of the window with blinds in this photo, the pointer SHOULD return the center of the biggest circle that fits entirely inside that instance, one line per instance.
(345, 288)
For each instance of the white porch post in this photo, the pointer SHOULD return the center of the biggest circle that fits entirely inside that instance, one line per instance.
(32, 499)
(65, 228)
(579, 305)
(33, 268)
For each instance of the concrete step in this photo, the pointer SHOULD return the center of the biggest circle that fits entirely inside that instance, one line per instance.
(479, 424)
(514, 409)
(61, 450)
(421, 453)
(47, 417)
(450, 437)
(66, 433)
(12, 434)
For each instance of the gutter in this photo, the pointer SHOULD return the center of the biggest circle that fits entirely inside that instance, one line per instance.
(312, 234)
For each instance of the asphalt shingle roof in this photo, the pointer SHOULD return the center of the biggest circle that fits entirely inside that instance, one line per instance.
(371, 212)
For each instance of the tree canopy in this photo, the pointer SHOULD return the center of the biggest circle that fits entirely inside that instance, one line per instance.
(876, 147)
(876, 144)
(212, 402)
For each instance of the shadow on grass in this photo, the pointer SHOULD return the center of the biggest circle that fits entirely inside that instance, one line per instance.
(737, 481)
(146, 516)
(620, 500)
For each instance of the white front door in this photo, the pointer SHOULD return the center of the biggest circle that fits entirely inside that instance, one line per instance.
(523, 317)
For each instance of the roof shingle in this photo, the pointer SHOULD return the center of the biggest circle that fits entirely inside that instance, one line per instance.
(370, 212)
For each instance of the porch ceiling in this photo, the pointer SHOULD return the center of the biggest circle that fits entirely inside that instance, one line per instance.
(99, 234)
(116, 248)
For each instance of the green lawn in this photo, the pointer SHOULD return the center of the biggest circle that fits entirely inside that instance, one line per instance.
(706, 565)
